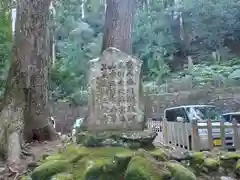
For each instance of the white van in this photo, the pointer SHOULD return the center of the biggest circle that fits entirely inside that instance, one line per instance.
(201, 113)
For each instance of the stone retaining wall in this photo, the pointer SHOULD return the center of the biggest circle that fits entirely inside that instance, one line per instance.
(228, 99)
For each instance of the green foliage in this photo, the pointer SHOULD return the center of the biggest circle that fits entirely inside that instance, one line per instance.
(5, 46)
(165, 34)
(77, 43)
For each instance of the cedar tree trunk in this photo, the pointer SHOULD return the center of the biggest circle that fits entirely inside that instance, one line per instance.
(24, 110)
(119, 24)
(35, 63)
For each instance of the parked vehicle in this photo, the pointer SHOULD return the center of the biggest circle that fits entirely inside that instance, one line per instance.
(228, 117)
(200, 113)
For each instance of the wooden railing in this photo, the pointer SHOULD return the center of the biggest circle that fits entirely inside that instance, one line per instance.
(190, 136)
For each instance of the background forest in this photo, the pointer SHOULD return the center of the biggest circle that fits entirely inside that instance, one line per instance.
(167, 36)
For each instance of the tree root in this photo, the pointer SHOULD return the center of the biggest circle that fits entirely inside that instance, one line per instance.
(25, 153)
(14, 168)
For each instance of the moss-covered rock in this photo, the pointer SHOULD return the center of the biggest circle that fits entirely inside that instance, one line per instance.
(50, 168)
(25, 178)
(96, 168)
(197, 158)
(80, 137)
(132, 140)
(140, 168)
(237, 168)
(122, 159)
(54, 157)
(159, 154)
(62, 176)
(229, 160)
(179, 172)
(98, 162)
(108, 163)
(133, 145)
(210, 165)
(103, 169)
(231, 155)
(110, 143)
(196, 161)
(144, 138)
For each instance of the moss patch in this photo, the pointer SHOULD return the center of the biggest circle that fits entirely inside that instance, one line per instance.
(54, 157)
(50, 168)
(159, 154)
(108, 163)
(229, 160)
(92, 168)
(179, 172)
(63, 176)
(84, 163)
(197, 158)
(237, 168)
(140, 168)
(103, 169)
(210, 165)
(25, 178)
(122, 159)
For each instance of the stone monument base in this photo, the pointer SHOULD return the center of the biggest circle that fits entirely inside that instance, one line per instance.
(92, 127)
(129, 139)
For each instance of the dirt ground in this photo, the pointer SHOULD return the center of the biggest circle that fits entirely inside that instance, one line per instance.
(34, 153)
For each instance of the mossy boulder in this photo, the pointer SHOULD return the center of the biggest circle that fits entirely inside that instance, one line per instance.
(140, 168)
(197, 158)
(80, 137)
(84, 164)
(25, 178)
(62, 176)
(159, 154)
(108, 163)
(237, 168)
(179, 172)
(228, 160)
(92, 168)
(131, 139)
(54, 157)
(103, 169)
(210, 165)
(50, 168)
(122, 159)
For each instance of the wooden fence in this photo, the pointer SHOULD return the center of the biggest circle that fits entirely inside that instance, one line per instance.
(192, 136)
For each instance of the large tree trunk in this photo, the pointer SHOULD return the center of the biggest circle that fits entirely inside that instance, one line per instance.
(119, 24)
(24, 108)
(35, 41)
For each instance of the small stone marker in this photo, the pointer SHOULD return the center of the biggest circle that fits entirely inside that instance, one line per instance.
(115, 97)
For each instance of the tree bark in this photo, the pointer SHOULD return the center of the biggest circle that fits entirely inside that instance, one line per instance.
(119, 24)
(24, 109)
(35, 63)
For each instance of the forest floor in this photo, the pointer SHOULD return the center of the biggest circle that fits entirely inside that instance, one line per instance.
(36, 151)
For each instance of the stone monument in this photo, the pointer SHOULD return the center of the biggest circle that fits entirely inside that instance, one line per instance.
(115, 101)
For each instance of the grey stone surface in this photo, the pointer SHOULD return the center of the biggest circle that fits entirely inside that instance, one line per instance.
(114, 93)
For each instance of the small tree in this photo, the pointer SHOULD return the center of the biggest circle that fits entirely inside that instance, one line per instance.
(119, 24)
